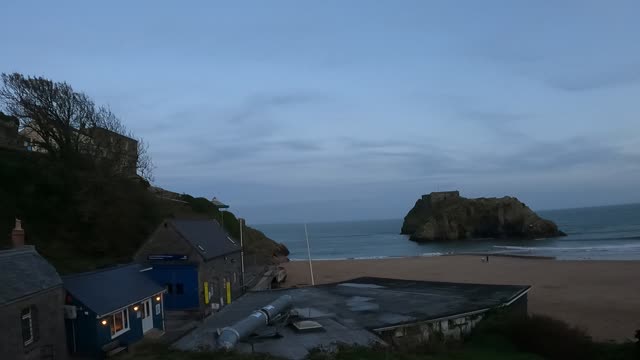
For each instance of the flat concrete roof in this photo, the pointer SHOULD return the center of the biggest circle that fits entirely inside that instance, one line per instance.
(351, 310)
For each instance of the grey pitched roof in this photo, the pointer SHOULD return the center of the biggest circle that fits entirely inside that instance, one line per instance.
(219, 204)
(24, 272)
(207, 237)
(107, 290)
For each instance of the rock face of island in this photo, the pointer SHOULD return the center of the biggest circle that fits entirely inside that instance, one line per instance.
(448, 216)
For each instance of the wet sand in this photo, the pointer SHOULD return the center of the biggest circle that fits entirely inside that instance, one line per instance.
(602, 297)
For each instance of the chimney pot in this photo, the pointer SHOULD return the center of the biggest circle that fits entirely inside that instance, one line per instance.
(17, 235)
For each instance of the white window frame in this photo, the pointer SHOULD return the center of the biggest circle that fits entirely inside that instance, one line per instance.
(25, 317)
(125, 321)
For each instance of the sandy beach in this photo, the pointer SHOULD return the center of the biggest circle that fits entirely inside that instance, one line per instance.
(602, 297)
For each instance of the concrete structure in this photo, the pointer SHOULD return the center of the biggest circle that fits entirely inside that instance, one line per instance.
(9, 137)
(116, 146)
(31, 306)
(438, 196)
(110, 309)
(95, 141)
(362, 311)
(199, 263)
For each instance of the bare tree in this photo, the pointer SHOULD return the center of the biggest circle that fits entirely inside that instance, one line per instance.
(67, 125)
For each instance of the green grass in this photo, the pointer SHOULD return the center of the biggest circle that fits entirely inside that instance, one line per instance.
(159, 351)
(482, 348)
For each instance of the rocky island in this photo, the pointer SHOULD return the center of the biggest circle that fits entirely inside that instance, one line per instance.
(448, 216)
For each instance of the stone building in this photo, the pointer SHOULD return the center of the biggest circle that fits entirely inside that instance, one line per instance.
(197, 261)
(95, 141)
(361, 312)
(116, 146)
(9, 137)
(438, 196)
(111, 309)
(31, 305)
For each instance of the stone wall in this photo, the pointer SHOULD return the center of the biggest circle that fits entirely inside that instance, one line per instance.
(165, 240)
(49, 321)
(438, 330)
(436, 197)
(217, 272)
(449, 328)
(9, 137)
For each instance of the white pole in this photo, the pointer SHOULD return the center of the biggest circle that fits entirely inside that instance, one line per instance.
(306, 235)
(242, 250)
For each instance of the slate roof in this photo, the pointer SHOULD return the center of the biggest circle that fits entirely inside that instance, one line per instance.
(352, 309)
(207, 237)
(108, 290)
(24, 272)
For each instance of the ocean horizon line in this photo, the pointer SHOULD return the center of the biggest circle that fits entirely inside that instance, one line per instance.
(340, 221)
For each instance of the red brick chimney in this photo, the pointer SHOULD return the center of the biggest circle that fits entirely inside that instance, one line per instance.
(17, 235)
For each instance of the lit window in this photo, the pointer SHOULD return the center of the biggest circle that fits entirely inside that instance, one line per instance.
(27, 326)
(119, 322)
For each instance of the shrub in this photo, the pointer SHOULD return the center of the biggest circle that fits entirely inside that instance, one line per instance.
(551, 338)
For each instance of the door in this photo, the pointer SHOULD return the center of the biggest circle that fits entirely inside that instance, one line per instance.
(147, 316)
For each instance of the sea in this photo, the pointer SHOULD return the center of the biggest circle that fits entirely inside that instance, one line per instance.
(594, 233)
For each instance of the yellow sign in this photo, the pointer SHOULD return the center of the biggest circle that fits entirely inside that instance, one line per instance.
(228, 292)
(206, 292)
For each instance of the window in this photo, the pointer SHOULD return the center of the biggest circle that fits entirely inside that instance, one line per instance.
(170, 288)
(119, 322)
(158, 309)
(27, 326)
(179, 288)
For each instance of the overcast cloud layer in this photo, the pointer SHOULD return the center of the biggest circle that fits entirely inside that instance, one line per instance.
(330, 110)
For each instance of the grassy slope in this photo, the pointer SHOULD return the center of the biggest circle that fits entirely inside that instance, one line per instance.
(80, 219)
(487, 348)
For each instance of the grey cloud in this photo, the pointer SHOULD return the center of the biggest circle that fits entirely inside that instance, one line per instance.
(493, 116)
(548, 156)
(588, 79)
(256, 106)
(254, 117)
(359, 144)
(297, 145)
(202, 152)
(500, 123)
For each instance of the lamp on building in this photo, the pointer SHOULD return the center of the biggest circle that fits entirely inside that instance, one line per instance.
(104, 322)
(157, 298)
(135, 308)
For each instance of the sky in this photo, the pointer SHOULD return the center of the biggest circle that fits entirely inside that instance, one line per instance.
(305, 111)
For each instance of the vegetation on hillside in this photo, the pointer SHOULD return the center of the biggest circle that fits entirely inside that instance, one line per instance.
(79, 209)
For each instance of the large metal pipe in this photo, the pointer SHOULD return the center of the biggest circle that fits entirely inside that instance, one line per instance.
(277, 307)
(231, 335)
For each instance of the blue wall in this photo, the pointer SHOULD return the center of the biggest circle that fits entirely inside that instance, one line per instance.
(85, 330)
(185, 275)
(91, 335)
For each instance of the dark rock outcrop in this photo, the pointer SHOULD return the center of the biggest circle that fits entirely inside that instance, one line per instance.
(448, 216)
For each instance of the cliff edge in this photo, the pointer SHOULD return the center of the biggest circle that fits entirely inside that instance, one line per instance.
(448, 216)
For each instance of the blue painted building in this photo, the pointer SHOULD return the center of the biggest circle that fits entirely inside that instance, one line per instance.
(197, 261)
(111, 309)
